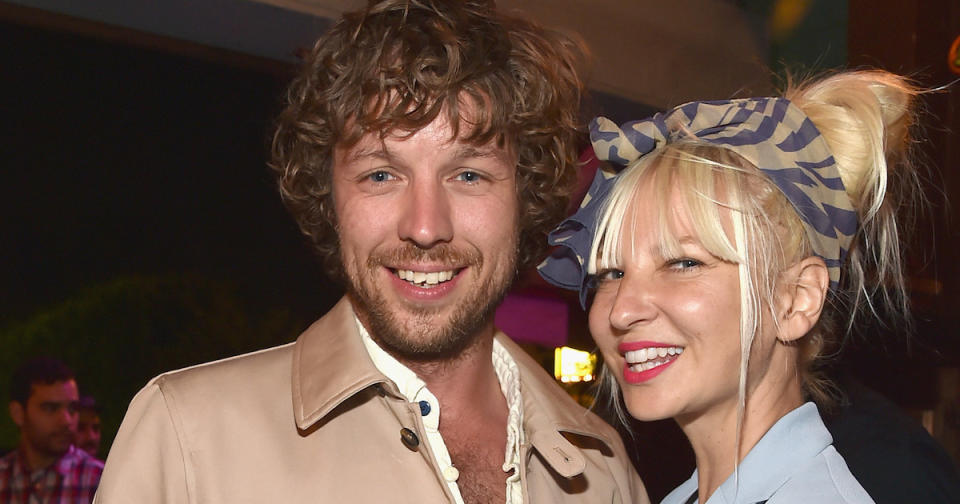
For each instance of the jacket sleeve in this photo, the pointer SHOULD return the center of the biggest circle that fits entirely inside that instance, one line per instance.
(146, 463)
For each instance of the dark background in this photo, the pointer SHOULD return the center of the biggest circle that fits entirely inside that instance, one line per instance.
(140, 230)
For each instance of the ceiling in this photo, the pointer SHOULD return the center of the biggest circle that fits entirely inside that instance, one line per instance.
(649, 52)
(659, 53)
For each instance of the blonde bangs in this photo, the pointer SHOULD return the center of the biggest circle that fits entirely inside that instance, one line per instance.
(708, 187)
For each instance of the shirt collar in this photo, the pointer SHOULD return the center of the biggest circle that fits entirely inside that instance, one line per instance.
(69, 460)
(62, 465)
(795, 439)
(318, 388)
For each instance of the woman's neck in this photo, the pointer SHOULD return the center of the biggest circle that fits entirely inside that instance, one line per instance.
(713, 434)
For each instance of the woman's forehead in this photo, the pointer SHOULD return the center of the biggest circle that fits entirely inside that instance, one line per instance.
(664, 215)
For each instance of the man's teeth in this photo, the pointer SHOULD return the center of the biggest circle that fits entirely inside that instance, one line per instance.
(423, 278)
(651, 357)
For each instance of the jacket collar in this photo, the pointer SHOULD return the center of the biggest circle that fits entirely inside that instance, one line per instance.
(330, 365)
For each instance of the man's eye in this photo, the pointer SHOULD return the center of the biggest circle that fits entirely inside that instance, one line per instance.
(380, 176)
(469, 177)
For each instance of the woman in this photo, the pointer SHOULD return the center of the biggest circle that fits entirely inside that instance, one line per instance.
(741, 238)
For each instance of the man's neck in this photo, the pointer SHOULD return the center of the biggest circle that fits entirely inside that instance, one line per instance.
(465, 383)
(35, 459)
(474, 415)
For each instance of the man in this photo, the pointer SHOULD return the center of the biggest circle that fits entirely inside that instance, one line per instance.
(46, 467)
(88, 426)
(426, 149)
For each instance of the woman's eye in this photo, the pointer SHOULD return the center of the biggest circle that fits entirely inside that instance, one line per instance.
(609, 274)
(684, 263)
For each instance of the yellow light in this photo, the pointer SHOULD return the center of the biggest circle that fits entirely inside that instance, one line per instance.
(571, 365)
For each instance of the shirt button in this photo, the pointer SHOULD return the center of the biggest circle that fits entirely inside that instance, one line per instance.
(409, 438)
(451, 474)
(424, 408)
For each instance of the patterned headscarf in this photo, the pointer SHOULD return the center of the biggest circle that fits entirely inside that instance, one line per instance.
(773, 134)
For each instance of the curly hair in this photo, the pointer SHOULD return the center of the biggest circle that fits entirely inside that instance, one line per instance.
(393, 67)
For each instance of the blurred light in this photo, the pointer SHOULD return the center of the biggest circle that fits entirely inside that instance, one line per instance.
(953, 58)
(786, 16)
(572, 366)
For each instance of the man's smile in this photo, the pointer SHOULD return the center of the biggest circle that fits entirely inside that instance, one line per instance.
(426, 279)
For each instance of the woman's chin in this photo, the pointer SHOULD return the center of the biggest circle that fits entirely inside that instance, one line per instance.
(645, 413)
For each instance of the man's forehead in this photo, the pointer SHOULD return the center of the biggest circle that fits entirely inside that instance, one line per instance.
(61, 390)
(91, 417)
(457, 144)
(470, 118)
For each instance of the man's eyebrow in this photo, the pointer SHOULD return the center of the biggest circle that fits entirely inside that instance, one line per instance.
(472, 152)
(369, 151)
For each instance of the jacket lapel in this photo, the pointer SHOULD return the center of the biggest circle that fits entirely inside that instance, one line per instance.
(548, 412)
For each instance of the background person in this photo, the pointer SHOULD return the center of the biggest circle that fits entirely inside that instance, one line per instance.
(739, 242)
(88, 426)
(46, 467)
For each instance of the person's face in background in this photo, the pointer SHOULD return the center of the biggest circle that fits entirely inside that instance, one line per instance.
(48, 422)
(88, 431)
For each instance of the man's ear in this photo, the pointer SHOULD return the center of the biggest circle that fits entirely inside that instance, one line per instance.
(16, 413)
(802, 293)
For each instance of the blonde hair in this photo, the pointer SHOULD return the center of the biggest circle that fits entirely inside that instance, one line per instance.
(865, 117)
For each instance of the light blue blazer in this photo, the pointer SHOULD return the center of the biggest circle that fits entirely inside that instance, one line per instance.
(794, 462)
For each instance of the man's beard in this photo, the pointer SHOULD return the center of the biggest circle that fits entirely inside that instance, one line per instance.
(424, 337)
(50, 444)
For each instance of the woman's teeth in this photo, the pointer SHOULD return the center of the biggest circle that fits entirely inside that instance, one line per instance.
(423, 279)
(649, 358)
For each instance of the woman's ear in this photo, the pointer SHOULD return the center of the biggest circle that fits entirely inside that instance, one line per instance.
(802, 293)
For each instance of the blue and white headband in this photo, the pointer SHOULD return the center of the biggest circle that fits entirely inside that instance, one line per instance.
(773, 134)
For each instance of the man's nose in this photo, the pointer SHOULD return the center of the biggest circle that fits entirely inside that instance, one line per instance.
(68, 417)
(425, 217)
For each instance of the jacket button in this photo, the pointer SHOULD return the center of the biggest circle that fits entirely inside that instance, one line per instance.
(409, 438)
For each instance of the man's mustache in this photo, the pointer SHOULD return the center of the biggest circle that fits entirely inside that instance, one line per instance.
(443, 253)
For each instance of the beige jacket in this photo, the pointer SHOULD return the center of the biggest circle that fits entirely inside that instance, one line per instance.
(225, 432)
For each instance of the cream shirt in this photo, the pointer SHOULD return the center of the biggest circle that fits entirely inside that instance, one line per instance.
(415, 390)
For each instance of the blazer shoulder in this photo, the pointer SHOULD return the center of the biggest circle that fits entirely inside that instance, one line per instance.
(233, 373)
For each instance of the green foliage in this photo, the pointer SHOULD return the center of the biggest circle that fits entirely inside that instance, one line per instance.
(118, 335)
